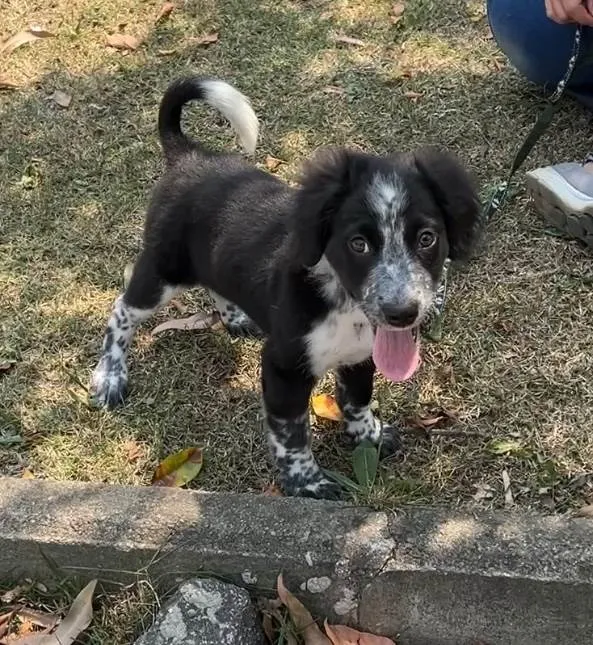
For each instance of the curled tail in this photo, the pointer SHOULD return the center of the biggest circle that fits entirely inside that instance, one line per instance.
(222, 96)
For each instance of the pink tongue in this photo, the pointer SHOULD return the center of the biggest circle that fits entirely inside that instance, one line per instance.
(395, 353)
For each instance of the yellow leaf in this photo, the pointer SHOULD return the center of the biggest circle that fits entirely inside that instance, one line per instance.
(341, 635)
(326, 407)
(301, 617)
(178, 469)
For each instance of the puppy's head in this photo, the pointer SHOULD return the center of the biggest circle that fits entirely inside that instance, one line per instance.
(386, 226)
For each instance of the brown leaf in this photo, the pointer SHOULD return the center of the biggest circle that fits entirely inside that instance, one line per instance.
(342, 635)
(178, 469)
(273, 490)
(585, 511)
(204, 40)
(302, 619)
(272, 164)
(414, 96)
(61, 98)
(133, 450)
(164, 12)
(268, 627)
(397, 12)
(197, 322)
(22, 38)
(166, 52)
(39, 618)
(123, 41)
(348, 40)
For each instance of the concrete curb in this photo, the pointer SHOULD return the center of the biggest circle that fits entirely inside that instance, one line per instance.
(426, 576)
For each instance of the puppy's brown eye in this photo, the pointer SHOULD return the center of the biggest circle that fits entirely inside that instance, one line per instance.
(426, 239)
(359, 245)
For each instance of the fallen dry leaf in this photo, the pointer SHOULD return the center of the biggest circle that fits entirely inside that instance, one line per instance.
(273, 490)
(414, 96)
(301, 617)
(166, 52)
(61, 98)
(76, 621)
(484, 491)
(123, 41)
(342, 635)
(39, 618)
(204, 40)
(22, 38)
(197, 322)
(178, 469)
(508, 493)
(164, 12)
(325, 406)
(7, 84)
(27, 474)
(272, 164)
(132, 450)
(585, 511)
(8, 597)
(397, 12)
(348, 40)
(334, 89)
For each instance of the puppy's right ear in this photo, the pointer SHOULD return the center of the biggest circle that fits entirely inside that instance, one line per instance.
(327, 179)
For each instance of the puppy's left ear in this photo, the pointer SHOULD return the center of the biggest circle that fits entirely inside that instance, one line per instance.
(455, 193)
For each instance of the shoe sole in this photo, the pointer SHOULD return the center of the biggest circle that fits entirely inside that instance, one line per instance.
(562, 206)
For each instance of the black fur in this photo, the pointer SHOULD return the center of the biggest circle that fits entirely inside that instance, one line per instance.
(285, 257)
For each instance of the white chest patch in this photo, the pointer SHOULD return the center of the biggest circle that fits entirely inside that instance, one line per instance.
(342, 338)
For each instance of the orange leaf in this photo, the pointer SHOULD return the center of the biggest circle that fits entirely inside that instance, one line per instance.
(204, 40)
(123, 41)
(341, 635)
(178, 469)
(164, 12)
(198, 322)
(301, 617)
(326, 407)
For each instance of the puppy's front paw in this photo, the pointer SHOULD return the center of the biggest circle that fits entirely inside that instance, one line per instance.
(321, 488)
(109, 383)
(390, 443)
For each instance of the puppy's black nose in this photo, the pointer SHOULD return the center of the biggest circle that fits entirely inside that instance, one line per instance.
(400, 315)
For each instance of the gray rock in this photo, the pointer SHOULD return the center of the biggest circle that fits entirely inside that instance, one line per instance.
(206, 612)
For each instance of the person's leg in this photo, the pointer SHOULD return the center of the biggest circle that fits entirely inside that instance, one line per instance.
(540, 50)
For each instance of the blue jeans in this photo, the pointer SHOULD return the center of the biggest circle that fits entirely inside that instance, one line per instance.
(539, 48)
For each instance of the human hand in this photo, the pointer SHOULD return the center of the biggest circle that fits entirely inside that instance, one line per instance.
(567, 11)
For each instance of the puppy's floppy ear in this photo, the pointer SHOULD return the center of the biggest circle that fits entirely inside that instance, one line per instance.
(326, 181)
(455, 193)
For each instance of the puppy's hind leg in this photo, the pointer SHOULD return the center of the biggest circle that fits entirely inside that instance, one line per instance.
(145, 294)
(236, 321)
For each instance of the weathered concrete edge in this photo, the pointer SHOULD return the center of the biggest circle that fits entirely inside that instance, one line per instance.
(334, 553)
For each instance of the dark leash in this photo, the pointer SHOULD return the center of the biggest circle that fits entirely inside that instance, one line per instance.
(433, 327)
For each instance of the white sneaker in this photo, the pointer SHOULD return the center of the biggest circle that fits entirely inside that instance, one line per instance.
(563, 195)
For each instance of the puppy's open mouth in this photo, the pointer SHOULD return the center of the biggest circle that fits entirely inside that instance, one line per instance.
(396, 352)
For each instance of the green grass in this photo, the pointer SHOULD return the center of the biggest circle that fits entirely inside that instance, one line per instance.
(515, 360)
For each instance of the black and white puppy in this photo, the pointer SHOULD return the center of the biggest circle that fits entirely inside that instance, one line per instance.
(337, 274)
